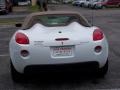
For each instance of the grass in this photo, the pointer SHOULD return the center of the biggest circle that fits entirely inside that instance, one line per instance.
(9, 21)
(12, 21)
(34, 8)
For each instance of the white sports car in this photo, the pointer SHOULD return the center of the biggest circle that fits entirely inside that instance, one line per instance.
(57, 40)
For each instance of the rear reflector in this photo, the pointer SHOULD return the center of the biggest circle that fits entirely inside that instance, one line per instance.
(97, 35)
(98, 49)
(24, 53)
(61, 39)
(21, 38)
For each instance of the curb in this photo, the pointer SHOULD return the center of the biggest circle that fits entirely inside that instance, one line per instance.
(7, 26)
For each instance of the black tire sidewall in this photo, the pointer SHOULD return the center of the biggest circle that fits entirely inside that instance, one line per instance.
(103, 71)
(16, 76)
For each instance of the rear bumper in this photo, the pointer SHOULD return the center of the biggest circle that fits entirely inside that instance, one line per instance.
(37, 60)
(41, 56)
(83, 67)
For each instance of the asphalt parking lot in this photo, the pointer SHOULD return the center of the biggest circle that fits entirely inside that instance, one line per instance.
(107, 19)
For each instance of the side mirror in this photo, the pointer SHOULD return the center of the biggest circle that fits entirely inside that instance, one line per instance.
(18, 25)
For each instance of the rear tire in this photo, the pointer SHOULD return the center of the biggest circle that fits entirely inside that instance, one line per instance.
(82, 4)
(102, 71)
(16, 76)
(88, 5)
(95, 7)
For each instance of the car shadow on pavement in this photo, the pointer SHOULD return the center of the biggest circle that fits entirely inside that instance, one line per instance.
(58, 78)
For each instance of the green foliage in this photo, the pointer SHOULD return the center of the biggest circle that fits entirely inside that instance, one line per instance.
(34, 8)
(10, 21)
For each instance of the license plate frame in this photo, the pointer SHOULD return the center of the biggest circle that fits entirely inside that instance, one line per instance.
(62, 51)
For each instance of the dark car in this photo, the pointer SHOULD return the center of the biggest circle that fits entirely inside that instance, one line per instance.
(5, 6)
(16, 2)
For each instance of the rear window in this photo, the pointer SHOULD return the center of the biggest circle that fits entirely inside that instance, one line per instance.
(55, 20)
(51, 20)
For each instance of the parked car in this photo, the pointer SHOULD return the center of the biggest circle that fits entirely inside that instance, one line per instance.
(106, 3)
(67, 1)
(95, 4)
(81, 3)
(5, 6)
(21, 2)
(78, 2)
(57, 41)
(75, 2)
(91, 3)
(54, 2)
(87, 3)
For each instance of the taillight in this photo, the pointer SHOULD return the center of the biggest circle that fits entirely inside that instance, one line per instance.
(97, 35)
(21, 38)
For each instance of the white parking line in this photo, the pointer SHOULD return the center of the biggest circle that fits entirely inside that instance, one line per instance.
(4, 55)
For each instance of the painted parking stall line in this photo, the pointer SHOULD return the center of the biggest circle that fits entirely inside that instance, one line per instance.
(4, 55)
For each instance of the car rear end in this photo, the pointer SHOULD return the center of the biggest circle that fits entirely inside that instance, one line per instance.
(56, 46)
(58, 49)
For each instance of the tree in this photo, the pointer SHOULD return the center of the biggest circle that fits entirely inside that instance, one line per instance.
(34, 2)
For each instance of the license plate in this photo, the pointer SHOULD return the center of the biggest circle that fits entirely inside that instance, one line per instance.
(62, 51)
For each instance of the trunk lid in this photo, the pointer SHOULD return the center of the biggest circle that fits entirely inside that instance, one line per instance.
(73, 34)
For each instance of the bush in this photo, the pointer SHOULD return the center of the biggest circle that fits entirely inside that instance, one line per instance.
(34, 8)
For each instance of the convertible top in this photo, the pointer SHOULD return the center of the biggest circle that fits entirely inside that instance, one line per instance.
(54, 13)
(28, 20)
